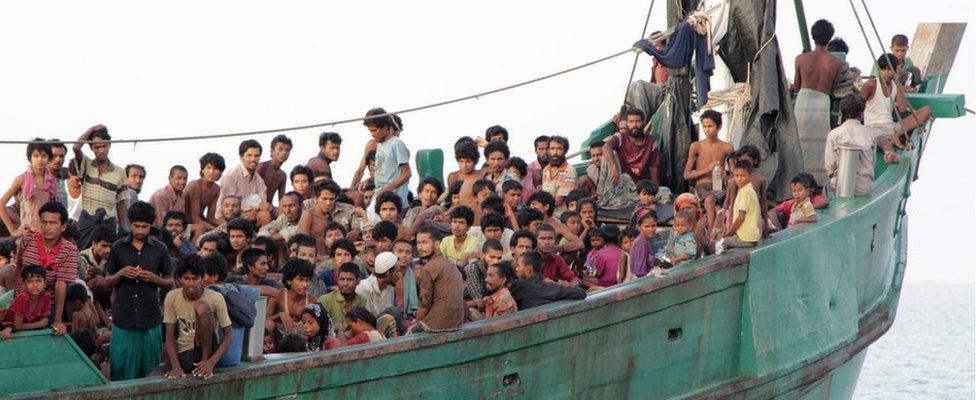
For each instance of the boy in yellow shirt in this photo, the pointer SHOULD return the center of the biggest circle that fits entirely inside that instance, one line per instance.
(744, 231)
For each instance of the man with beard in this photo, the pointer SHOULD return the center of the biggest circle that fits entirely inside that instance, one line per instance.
(344, 296)
(192, 315)
(138, 267)
(289, 213)
(270, 171)
(441, 287)
(170, 197)
(498, 299)
(558, 178)
(56, 165)
(329, 143)
(541, 145)
(496, 157)
(633, 150)
(244, 181)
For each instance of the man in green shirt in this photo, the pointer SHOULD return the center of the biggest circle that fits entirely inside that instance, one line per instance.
(344, 296)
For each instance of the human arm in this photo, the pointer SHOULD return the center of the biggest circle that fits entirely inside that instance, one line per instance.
(20, 325)
(60, 288)
(76, 148)
(361, 169)
(610, 153)
(867, 91)
(573, 242)
(399, 181)
(692, 174)
(797, 78)
(11, 192)
(622, 268)
(426, 283)
(740, 217)
(176, 371)
(204, 368)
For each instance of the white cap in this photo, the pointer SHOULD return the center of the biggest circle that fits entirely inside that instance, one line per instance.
(384, 262)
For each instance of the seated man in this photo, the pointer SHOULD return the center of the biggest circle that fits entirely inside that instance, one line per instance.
(816, 73)
(289, 213)
(855, 135)
(530, 290)
(441, 305)
(558, 177)
(554, 267)
(389, 208)
(270, 171)
(170, 197)
(314, 220)
(255, 269)
(883, 95)
(244, 181)
(176, 223)
(192, 315)
(908, 75)
(474, 271)
(343, 297)
(239, 234)
(634, 151)
(321, 164)
(498, 299)
(459, 243)
(496, 160)
(201, 195)
(466, 155)
(214, 274)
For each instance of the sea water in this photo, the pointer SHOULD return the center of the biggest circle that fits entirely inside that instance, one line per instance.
(929, 351)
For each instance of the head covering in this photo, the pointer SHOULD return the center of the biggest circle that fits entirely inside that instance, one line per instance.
(384, 262)
(684, 199)
(316, 343)
(252, 202)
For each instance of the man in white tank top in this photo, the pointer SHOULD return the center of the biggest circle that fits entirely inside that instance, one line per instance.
(882, 96)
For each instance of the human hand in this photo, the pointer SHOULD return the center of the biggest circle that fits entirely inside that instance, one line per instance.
(614, 175)
(481, 142)
(286, 321)
(204, 369)
(129, 271)
(59, 328)
(175, 372)
(5, 334)
(148, 276)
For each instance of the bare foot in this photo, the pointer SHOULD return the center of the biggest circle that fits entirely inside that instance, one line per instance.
(891, 158)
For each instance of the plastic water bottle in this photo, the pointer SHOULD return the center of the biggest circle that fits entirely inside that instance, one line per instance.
(717, 178)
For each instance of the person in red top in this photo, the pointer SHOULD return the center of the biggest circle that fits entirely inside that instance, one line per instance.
(780, 214)
(58, 257)
(636, 151)
(554, 268)
(31, 309)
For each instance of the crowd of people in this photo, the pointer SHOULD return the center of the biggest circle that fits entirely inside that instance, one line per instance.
(167, 284)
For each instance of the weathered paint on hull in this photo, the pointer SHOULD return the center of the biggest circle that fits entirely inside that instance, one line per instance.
(785, 320)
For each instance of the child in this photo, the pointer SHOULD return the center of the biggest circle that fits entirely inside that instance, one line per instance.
(642, 251)
(681, 245)
(646, 190)
(781, 215)
(317, 329)
(688, 202)
(626, 244)
(466, 154)
(285, 309)
(32, 308)
(572, 221)
(32, 189)
(802, 209)
(8, 250)
(192, 314)
(362, 325)
(750, 154)
(603, 261)
(745, 229)
(85, 317)
(704, 163)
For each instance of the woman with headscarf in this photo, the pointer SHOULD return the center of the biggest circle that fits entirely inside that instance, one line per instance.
(317, 328)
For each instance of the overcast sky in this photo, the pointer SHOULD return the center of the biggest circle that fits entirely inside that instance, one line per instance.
(148, 69)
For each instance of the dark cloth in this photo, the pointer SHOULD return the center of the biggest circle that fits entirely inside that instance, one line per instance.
(771, 123)
(534, 292)
(677, 53)
(87, 224)
(441, 294)
(135, 303)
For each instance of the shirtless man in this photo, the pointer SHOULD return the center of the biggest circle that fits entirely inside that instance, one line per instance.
(817, 73)
(314, 220)
(703, 157)
(329, 144)
(466, 154)
(270, 171)
(201, 194)
(879, 107)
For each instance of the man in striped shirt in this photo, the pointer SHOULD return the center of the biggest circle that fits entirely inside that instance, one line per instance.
(47, 250)
(103, 183)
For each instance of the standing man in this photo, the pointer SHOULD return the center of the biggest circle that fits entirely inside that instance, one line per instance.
(170, 197)
(329, 143)
(49, 251)
(135, 176)
(816, 75)
(270, 171)
(138, 267)
(56, 165)
(392, 157)
(244, 180)
(103, 183)
(441, 287)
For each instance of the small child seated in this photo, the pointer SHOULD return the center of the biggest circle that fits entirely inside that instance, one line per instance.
(681, 245)
(362, 326)
(85, 317)
(646, 191)
(627, 237)
(745, 212)
(31, 309)
(782, 215)
(603, 261)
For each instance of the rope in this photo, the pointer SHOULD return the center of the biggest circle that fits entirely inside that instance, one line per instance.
(737, 97)
(633, 69)
(874, 57)
(348, 120)
(887, 57)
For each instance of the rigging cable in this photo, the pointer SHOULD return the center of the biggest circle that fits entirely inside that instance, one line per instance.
(633, 69)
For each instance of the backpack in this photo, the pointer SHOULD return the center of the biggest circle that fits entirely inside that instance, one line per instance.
(240, 310)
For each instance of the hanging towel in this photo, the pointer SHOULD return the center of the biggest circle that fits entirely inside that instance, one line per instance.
(684, 43)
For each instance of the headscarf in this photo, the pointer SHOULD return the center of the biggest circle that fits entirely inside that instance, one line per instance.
(317, 342)
(685, 199)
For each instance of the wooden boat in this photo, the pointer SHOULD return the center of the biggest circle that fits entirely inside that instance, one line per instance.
(791, 318)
